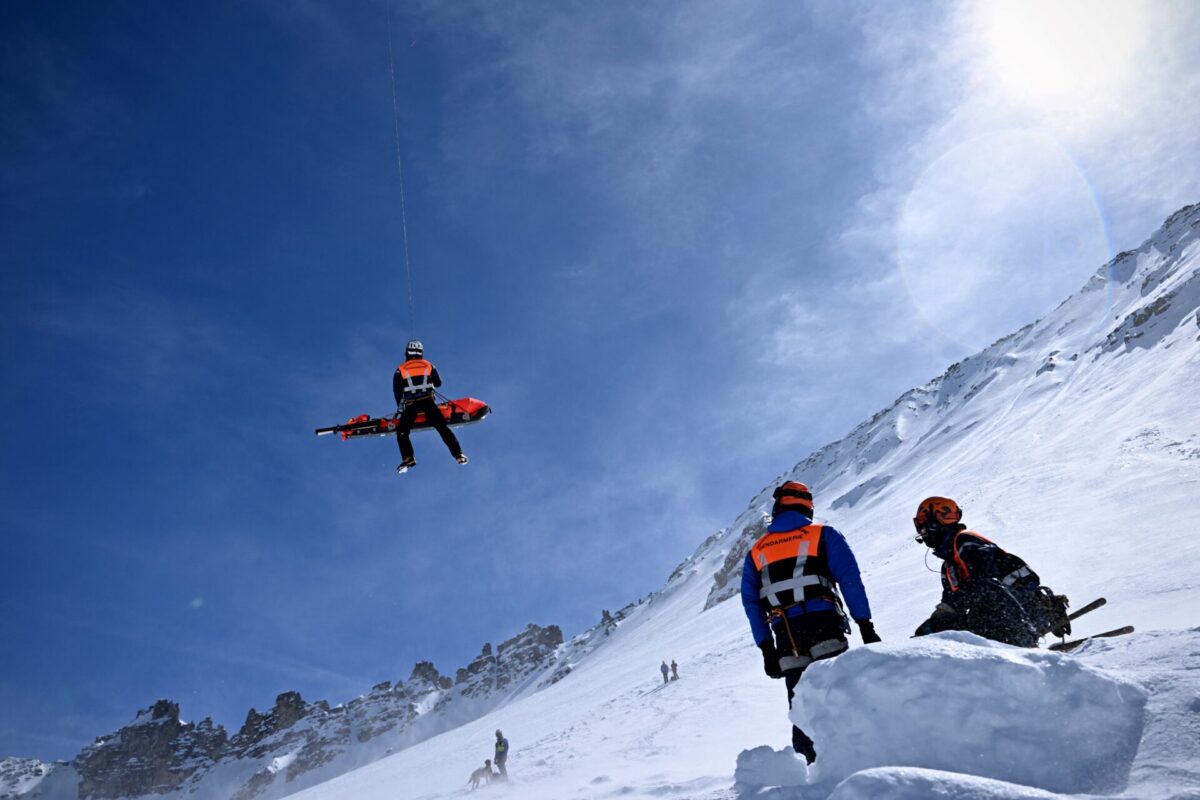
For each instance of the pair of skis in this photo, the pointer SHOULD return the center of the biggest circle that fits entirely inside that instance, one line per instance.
(1067, 646)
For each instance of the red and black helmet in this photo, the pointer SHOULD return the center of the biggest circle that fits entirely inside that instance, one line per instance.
(937, 512)
(793, 496)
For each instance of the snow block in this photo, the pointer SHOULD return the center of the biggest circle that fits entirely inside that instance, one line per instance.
(763, 767)
(960, 703)
(906, 783)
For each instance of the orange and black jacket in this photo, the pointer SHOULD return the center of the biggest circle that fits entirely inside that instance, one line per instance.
(984, 590)
(418, 371)
(968, 557)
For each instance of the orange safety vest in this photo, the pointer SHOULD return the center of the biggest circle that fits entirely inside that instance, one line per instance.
(418, 376)
(790, 567)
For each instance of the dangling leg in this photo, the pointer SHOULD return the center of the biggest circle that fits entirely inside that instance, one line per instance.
(800, 741)
(439, 422)
(403, 431)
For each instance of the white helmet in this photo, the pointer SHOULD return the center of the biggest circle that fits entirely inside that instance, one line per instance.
(414, 349)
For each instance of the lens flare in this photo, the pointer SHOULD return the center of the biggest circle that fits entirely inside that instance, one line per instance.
(996, 232)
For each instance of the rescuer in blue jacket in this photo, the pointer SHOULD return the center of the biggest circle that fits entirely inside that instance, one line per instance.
(790, 583)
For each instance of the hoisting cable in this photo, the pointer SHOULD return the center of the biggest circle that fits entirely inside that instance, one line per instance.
(412, 309)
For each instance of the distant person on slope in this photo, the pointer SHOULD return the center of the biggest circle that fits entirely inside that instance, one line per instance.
(413, 386)
(501, 754)
(674, 670)
(665, 670)
(789, 588)
(985, 590)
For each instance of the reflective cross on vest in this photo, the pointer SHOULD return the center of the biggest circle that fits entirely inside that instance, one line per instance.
(791, 568)
(418, 377)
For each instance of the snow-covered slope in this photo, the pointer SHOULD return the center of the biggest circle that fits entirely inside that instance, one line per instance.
(1073, 442)
(20, 776)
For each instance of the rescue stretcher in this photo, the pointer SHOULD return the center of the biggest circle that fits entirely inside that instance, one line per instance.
(463, 411)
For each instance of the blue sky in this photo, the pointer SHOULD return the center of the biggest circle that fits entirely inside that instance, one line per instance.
(676, 248)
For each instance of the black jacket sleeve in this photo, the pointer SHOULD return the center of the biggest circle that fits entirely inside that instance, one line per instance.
(398, 387)
(435, 378)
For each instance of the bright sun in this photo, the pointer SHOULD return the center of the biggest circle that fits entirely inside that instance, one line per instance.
(1072, 56)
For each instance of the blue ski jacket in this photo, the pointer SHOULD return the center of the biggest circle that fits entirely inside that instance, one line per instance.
(842, 565)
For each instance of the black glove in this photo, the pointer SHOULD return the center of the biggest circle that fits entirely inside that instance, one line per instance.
(867, 629)
(944, 618)
(770, 659)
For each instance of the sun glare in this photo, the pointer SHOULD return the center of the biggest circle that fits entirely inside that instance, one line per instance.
(1070, 56)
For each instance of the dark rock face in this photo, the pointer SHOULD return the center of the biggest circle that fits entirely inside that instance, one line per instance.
(289, 709)
(527, 652)
(309, 735)
(726, 581)
(425, 672)
(154, 754)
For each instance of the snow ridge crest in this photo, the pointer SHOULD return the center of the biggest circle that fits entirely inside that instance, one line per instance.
(1143, 300)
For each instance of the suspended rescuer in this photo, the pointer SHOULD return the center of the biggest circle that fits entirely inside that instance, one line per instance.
(413, 386)
(789, 589)
(985, 590)
(501, 754)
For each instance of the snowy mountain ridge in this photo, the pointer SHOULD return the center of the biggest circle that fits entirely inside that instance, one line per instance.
(1145, 294)
(292, 745)
(1072, 442)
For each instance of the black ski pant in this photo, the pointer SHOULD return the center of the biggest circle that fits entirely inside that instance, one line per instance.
(434, 415)
(807, 632)
(801, 742)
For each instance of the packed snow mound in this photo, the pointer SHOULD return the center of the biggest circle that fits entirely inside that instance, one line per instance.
(961, 703)
(906, 783)
(763, 767)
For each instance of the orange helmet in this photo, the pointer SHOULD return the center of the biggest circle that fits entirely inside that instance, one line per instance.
(941, 511)
(793, 496)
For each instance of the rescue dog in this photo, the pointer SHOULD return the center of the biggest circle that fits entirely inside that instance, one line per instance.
(484, 773)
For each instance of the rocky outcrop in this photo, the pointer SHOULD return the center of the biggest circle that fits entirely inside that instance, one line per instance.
(295, 743)
(515, 659)
(726, 579)
(154, 754)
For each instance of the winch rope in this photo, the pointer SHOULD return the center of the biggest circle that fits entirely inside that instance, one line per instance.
(412, 308)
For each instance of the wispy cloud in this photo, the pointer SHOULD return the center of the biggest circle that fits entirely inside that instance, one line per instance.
(1002, 168)
(133, 337)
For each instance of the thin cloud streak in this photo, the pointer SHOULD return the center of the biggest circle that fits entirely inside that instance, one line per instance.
(934, 93)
